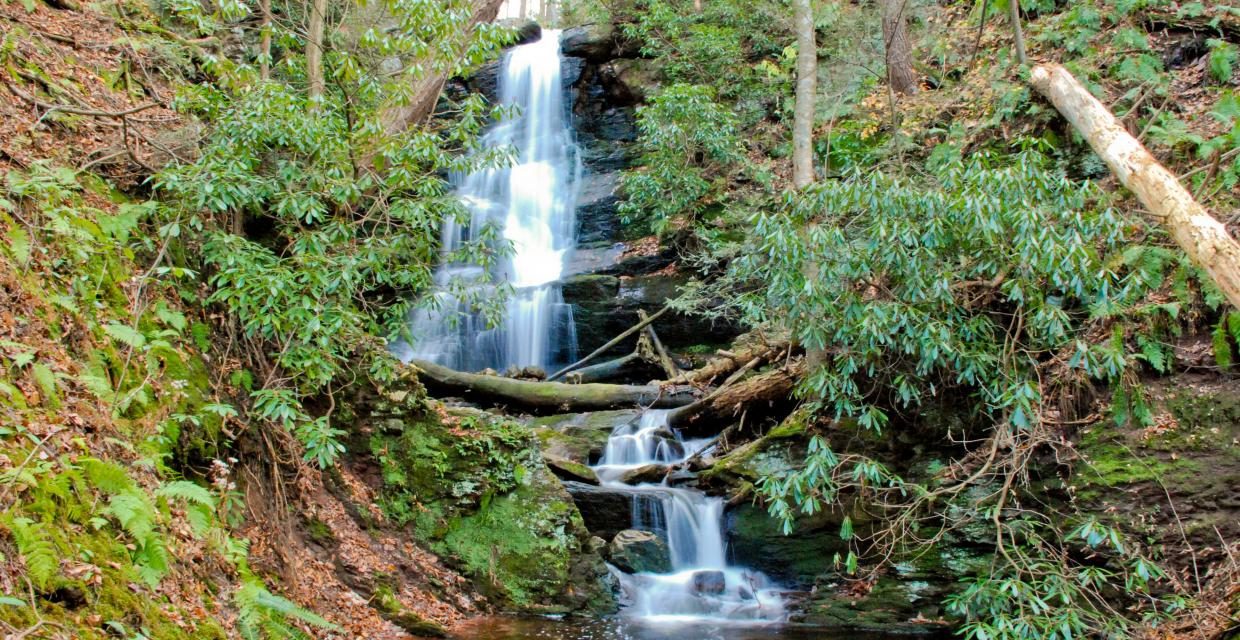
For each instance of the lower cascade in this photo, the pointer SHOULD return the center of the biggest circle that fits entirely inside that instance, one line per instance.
(701, 585)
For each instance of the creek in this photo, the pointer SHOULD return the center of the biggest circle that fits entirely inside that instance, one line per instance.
(695, 590)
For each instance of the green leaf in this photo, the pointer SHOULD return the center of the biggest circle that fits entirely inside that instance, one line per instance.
(1221, 345)
(19, 245)
(125, 334)
(46, 380)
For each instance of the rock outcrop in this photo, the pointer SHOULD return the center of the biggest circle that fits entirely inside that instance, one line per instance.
(634, 551)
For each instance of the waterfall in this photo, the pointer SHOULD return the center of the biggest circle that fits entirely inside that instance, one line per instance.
(532, 202)
(702, 586)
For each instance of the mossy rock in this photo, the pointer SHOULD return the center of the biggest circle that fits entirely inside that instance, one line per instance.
(579, 437)
(477, 492)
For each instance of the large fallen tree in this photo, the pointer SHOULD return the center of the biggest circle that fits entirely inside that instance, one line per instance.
(759, 395)
(548, 397)
(1203, 238)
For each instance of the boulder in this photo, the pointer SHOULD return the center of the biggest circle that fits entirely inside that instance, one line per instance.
(596, 259)
(566, 469)
(527, 30)
(709, 582)
(579, 437)
(597, 199)
(594, 42)
(646, 473)
(629, 82)
(634, 551)
(606, 511)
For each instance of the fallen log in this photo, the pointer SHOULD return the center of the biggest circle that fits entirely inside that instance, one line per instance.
(609, 370)
(549, 397)
(758, 395)
(728, 362)
(1203, 238)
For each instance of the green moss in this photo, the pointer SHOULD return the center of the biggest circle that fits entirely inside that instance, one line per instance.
(479, 495)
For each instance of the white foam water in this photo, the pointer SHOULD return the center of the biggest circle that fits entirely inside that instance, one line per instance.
(532, 202)
(702, 586)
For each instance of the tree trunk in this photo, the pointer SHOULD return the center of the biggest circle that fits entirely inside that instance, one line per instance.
(609, 370)
(264, 42)
(524, 11)
(807, 87)
(759, 395)
(426, 90)
(1204, 239)
(547, 397)
(1018, 33)
(900, 74)
(314, 48)
(726, 363)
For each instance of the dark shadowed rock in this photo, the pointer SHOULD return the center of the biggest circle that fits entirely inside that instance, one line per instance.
(605, 306)
(634, 551)
(527, 30)
(606, 511)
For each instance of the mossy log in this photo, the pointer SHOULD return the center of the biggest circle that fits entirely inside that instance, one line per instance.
(759, 395)
(547, 397)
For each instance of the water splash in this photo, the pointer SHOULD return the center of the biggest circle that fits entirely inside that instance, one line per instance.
(532, 202)
(702, 586)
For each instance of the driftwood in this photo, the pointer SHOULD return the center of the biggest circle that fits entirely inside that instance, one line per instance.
(613, 342)
(757, 395)
(728, 362)
(553, 397)
(1203, 238)
(656, 345)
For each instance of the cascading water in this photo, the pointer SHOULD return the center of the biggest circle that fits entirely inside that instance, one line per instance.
(532, 202)
(702, 585)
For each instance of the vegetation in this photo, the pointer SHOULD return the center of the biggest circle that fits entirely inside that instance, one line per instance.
(996, 354)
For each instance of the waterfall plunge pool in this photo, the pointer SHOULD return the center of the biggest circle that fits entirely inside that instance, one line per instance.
(630, 629)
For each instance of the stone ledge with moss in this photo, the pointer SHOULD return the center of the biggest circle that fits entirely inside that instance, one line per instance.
(475, 489)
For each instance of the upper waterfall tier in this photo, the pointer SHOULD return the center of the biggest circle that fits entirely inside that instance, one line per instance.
(531, 201)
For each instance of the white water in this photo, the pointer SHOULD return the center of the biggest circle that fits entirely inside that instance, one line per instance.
(691, 523)
(532, 202)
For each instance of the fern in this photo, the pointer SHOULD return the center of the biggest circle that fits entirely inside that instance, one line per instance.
(263, 614)
(108, 477)
(134, 514)
(187, 491)
(37, 549)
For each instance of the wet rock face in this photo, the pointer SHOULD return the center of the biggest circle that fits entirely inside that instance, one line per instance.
(634, 551)
(604, 306)
(606, 511)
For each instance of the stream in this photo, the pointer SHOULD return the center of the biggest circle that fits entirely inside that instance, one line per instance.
(624, 629)
(692, 590)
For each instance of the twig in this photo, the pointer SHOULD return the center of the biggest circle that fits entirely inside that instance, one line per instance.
(613, 342)
(65, 108)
